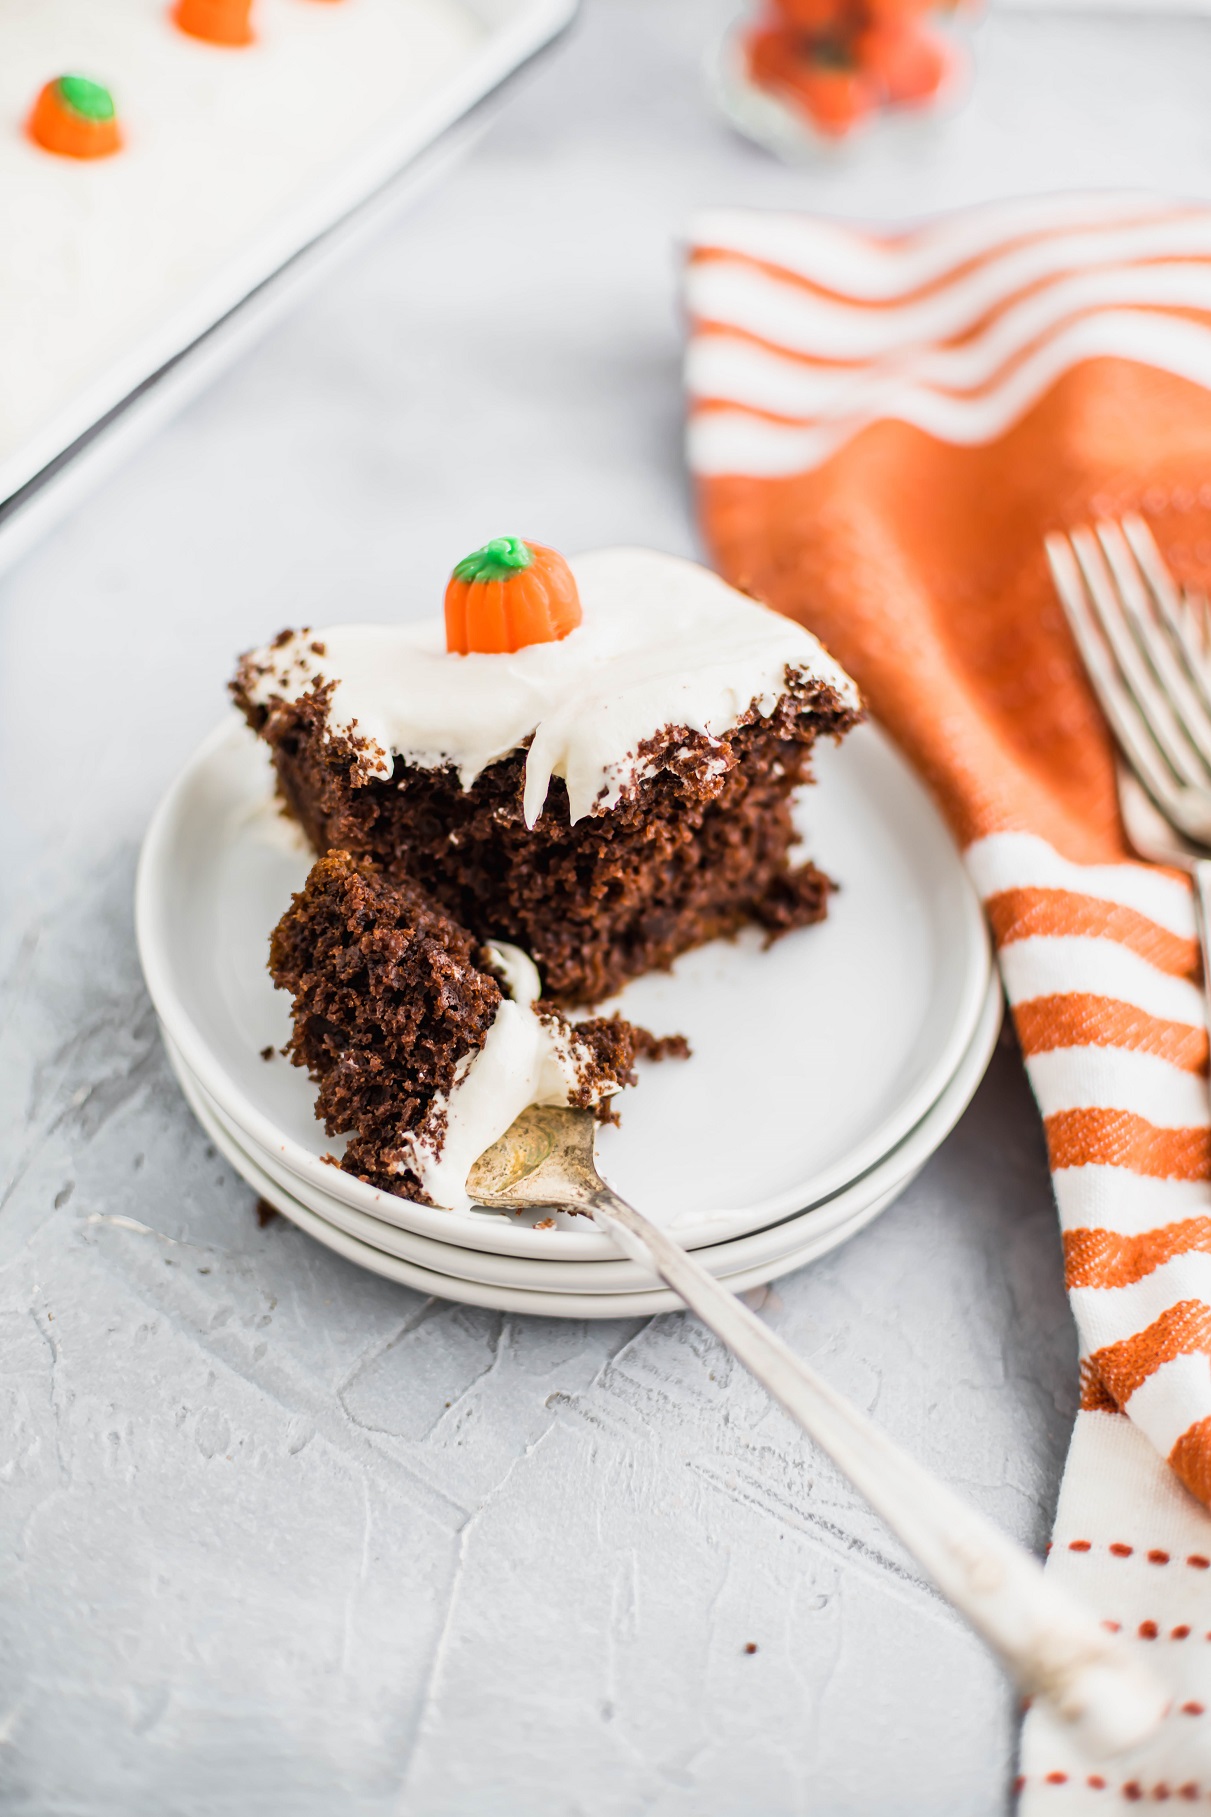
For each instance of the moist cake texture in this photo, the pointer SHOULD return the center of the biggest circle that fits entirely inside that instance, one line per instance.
(425, 1043)
(605, 801)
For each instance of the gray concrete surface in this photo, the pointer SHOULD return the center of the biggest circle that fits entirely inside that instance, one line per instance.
(276, 1538)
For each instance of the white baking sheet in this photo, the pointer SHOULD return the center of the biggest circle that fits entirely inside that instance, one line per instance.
(123, 404)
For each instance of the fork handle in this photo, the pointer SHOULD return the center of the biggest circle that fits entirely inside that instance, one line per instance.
(1050, 1643)
(1202, 916)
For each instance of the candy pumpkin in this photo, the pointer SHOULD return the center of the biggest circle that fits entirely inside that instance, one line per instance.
(821, 77)
(507, 595)
(908, 61)
(75, 118)
(216, 21)
(816, 17)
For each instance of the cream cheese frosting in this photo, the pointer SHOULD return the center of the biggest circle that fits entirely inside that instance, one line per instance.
(663, 643)
(524, 1060)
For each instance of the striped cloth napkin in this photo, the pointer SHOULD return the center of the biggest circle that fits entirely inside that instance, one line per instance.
(882, 430)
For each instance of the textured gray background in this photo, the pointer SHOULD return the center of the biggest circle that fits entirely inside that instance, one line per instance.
(275, 1536)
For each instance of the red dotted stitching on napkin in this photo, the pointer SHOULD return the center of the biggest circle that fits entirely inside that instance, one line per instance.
(1148, 1630)
(1131, 1789)
(1156, 1556)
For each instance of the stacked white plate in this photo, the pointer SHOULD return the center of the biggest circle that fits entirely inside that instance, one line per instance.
(825, 1069)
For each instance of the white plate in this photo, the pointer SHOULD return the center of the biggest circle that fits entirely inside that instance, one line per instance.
(638, 1304)
(812, 1058)
(836, 1218)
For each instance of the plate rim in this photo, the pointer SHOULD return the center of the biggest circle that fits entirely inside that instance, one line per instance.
(155, 949)
(617, 1273)
(527, 1302)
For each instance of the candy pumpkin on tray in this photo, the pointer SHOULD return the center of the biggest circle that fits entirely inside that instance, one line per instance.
(75, 118)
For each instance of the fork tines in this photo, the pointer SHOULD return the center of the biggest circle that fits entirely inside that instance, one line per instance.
(1147, 649)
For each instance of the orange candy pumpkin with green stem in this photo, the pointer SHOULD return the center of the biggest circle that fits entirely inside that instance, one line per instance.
(75, 118)
(507, 595)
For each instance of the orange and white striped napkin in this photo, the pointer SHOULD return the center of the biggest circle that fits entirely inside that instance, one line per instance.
(882, 430)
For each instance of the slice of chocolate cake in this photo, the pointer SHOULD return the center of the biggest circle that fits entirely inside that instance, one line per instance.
(597, 764)
(425, 1044)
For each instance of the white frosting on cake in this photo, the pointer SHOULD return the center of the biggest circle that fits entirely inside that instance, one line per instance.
(230, 155)
(664, 643)
(523, 1061)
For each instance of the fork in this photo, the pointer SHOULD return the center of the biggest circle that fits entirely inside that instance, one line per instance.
(1053, 1646)
(1147, 651)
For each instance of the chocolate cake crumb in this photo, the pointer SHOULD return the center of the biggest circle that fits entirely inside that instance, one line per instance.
(265, 1213)
(662, 1047)
(267, 1053)
(750, 1646)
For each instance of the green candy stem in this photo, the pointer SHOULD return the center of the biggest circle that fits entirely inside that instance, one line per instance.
(832, 54)
(497, 560)
(88, 99)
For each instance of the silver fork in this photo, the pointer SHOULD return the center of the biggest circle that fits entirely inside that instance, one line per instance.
(1053, 1645)
(1147, 650)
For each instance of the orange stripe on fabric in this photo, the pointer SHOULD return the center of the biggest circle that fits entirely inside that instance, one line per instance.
(1077, 1019)
(1191, 1458)
(1104, 1258)
(1095, 1396)
(1119, 1138)
(1181, 1330)
(704, 325)
(711, 406)
(1010, 359)
(1022, 914)
(950, 275)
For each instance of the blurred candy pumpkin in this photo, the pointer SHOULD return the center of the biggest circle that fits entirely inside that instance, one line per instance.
(836, 62)
(820, 76)
(75, 118)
